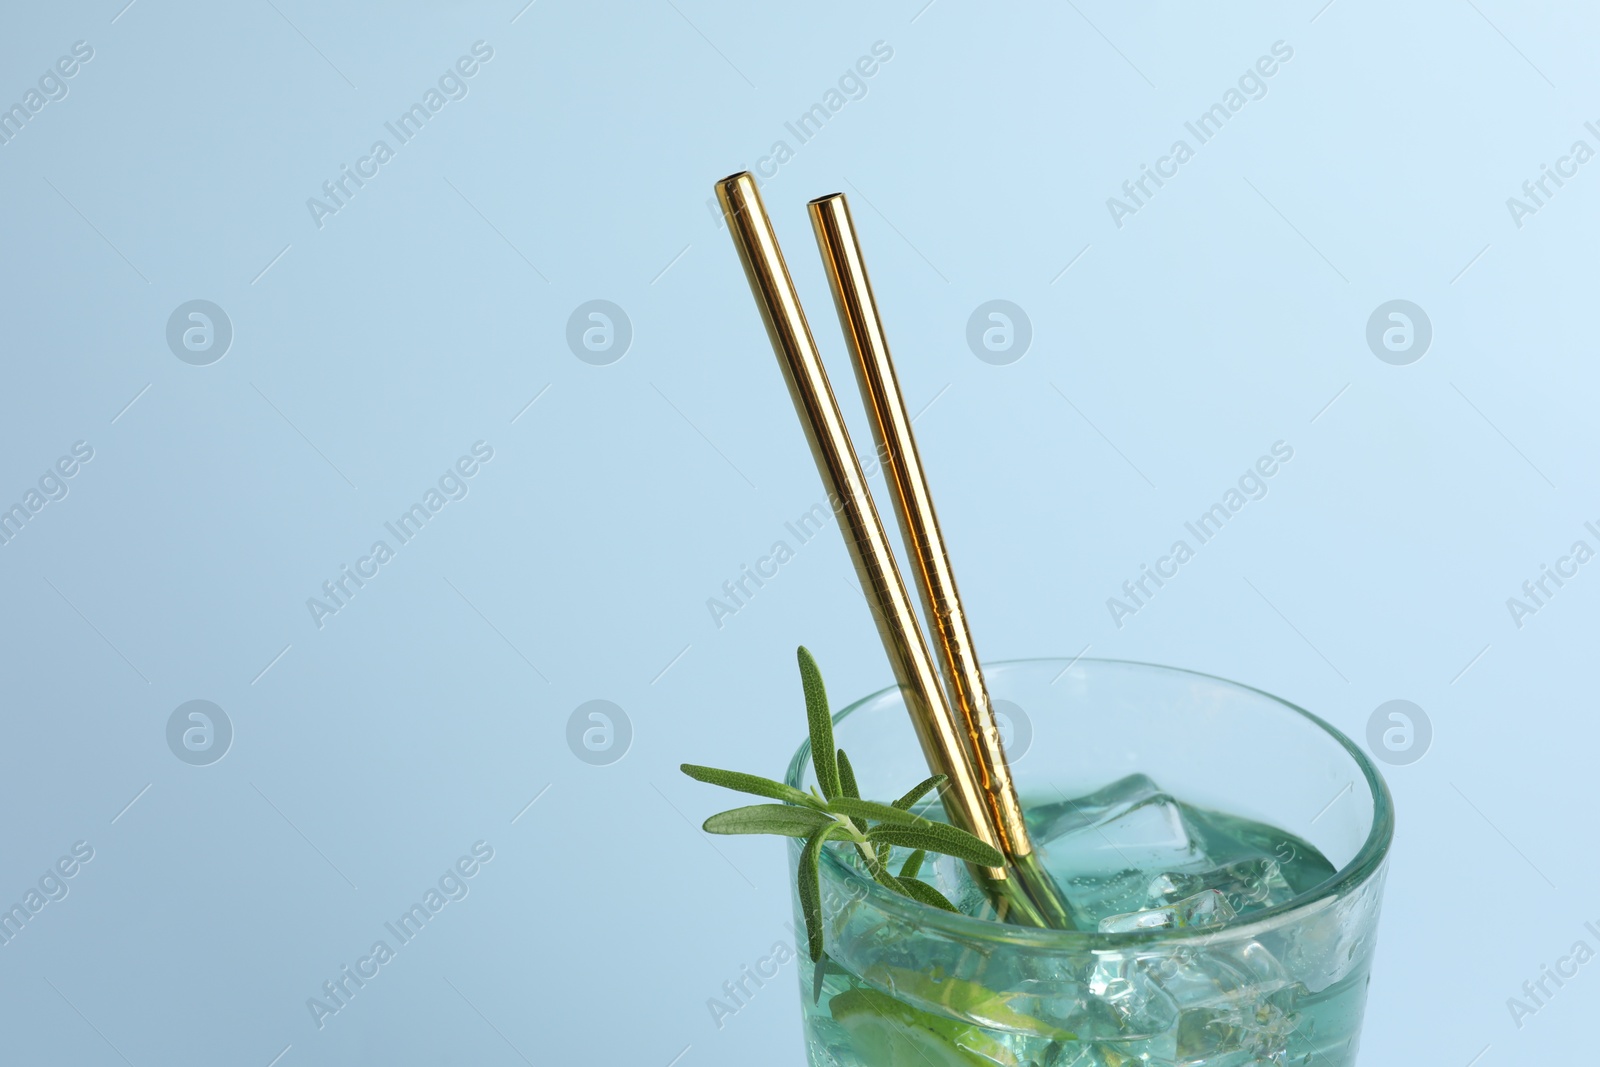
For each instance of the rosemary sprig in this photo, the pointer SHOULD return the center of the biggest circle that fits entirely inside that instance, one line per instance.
(840, 814)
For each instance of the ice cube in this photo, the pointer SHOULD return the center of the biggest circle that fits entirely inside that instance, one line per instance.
(1249, 885)
(1101, 847)
(1201, 975)
(1206, 908)
(1235, 1003)
(1211, 1004)
(1236, 1035)
(1138, 1005)
(1131, 823)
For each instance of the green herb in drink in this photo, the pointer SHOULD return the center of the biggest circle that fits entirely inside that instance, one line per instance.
(840, 814)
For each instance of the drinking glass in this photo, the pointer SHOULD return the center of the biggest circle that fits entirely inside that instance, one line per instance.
(1102, 746)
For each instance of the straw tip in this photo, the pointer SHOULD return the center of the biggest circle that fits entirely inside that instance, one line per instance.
(738, 193)
(736, 180)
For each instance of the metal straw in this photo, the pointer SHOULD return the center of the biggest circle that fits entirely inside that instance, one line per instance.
(935, 580)
(940, 733)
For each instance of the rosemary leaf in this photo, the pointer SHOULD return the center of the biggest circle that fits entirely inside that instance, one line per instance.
(811, 890)
(823, 756)
(749, 783)
(925, 893)
(939, 837)
(778, 819)
(913, 864)
(921, 790)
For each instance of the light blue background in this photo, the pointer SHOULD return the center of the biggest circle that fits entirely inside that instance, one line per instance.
(370, 353)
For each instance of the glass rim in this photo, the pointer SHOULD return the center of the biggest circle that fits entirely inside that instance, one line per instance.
(1363, 865)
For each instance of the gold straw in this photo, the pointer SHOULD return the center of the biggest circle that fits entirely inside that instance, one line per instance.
(938, 731)
(936, 582)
